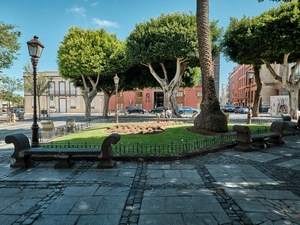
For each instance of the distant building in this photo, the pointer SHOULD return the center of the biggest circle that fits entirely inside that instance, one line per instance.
(63, 97)
(238, 84)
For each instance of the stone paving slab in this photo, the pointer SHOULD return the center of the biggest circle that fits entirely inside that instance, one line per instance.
(293, 164)
(255, 156)
(228, 187)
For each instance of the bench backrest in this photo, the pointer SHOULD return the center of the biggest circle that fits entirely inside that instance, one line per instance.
(20, 142)
(243, 133)
(48, 125)
(278, 126)
(106, 150)
(70, 121)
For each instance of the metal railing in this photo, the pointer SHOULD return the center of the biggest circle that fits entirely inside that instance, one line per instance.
(162, 149)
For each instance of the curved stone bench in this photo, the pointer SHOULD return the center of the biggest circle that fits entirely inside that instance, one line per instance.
(23, 152)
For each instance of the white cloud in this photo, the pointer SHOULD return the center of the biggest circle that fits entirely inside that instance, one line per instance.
(105, 23)
(80, 11)
(94, 4)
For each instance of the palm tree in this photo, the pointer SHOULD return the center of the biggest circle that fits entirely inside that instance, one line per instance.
(211, 118)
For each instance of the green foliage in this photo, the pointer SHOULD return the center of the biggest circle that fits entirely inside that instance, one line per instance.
(239, 43)
(10, 85)
(89, 53)
(43, 82)
(8, 44)
(279, 31)
(268, 36)
(164, 38)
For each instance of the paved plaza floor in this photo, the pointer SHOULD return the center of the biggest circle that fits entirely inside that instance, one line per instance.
(228, 187)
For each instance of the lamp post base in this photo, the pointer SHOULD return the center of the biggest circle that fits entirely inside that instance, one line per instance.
(117, 117)
(35, 136)
(249, 117)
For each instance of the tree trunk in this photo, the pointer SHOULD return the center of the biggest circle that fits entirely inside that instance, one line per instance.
(106, 110)
(290, 85)
(87, 103)
(257, 96)
(293, 94)
(211, 118)
(170, 98)
(170, 89)
(39, 106)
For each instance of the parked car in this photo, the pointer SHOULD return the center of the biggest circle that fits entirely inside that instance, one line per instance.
(134, 109)
(241, 109)
(158, 109)
(188, 110)
(228, 108)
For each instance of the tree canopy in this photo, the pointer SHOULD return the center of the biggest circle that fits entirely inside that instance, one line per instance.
(9, 45)
(272, 37)
(84, 55)
(168, 46)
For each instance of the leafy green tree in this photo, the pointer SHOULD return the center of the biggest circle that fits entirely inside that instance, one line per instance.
(269, 38)
(10, 85)
(241, 47)
(43, 83)
(211, 118)
(278, 32)
(84, 55)
(9, 47)
(166, 45)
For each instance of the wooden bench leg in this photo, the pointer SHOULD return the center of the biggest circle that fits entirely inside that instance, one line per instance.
(63, 162)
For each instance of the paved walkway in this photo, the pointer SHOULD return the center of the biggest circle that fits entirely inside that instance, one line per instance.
(228, 187)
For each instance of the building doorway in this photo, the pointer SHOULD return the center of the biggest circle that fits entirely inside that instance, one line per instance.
(158, 98)
(62, 105)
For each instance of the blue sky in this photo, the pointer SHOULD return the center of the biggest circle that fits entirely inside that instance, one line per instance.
(51, 19)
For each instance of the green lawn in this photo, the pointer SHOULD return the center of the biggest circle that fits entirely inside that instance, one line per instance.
(174, 133)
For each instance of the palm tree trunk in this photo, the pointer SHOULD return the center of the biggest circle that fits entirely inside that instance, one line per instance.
(211, 118)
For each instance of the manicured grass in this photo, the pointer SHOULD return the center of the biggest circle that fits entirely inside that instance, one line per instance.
(174, 133)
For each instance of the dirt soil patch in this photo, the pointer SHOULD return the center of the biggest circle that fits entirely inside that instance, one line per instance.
(141, 128)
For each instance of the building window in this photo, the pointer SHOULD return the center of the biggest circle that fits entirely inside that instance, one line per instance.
(199, 94)
(51, 103)
(93, 104)
(120, 106)
(62, 88)
(72, 89)
(73, 103)
(180, 94)
(52, 88)
(139, 94)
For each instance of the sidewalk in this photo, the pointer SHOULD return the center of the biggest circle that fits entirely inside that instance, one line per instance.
(227, 187)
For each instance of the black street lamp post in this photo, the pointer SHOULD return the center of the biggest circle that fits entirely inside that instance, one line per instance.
(35, 49)
(250, 74)
(116, 80)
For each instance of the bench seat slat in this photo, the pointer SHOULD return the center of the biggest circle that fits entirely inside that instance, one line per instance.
(265, 135)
